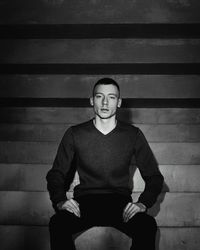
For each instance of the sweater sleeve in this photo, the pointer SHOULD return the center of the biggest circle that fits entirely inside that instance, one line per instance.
(59, 176)
(149, 170)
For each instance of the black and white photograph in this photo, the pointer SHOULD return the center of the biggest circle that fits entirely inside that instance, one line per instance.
(99, 125)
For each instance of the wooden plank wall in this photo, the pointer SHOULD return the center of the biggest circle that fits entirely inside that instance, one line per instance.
(52, 52)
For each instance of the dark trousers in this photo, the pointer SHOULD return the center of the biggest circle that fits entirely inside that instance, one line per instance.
(102, 210)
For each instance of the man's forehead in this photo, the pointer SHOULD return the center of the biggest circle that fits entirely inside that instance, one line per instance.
(110, 88)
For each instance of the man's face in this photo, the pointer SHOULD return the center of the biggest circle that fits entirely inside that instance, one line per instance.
(105, 100)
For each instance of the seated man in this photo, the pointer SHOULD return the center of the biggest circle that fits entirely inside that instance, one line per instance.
(100, 150)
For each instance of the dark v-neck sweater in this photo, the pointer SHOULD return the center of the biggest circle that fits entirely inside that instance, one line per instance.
(103, 163)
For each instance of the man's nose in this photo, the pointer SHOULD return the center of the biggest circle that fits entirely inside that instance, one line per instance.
(105, 100)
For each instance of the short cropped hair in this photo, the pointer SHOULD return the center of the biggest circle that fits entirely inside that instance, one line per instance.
(106, 81)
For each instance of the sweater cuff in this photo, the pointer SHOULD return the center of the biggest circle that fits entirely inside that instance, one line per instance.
(143, 206)
(60, 203)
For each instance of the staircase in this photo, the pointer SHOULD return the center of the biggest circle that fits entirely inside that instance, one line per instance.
(52, 52)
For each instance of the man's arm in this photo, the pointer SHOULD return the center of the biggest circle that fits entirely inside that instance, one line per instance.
(153, 179)
(150, 173)
(59, 174)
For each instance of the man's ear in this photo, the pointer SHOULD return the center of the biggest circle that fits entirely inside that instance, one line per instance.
(91, 101)
(119, 103)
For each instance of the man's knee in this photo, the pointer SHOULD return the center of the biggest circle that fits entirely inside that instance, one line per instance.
(145, 222)
(58, 220)
(53, 222)
(150, 222)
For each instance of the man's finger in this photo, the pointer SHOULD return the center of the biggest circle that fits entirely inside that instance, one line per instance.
(127, 207)
(72, 210)
(126, 210)
(69, 210)
(73, 206)
(132, 212)
(74, 202)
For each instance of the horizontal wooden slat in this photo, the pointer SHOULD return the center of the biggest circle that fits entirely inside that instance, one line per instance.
(34, 208)
(171, 133)
(167, 238)
(144, 11)
(101, 68)
(106, 30)
(23, 177)
(44, 152)
(25, 208)
(32, 132)
(80, 86)
(100, 51)
(78, 115)
(22, 237)
(27, 152)
(84, 102)
(32, 177)
(176, 153)
(177, 178)
(176, 209)
(54, 132)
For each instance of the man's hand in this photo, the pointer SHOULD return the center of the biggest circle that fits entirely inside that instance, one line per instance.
(70, 205)
(131, 209)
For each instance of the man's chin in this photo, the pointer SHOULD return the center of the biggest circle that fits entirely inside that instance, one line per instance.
(105, 116)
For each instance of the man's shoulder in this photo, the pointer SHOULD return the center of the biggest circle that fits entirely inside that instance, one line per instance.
(128, 127)
(81, 126)
(76, 130)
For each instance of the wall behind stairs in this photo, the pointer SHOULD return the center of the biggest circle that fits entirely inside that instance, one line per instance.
(51, 53)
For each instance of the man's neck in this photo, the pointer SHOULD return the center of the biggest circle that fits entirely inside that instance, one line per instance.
(105, 125)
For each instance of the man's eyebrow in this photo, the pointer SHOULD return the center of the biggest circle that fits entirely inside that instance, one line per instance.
(108, 93)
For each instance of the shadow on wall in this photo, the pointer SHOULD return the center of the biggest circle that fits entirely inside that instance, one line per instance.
(154, 211)
(126, 116)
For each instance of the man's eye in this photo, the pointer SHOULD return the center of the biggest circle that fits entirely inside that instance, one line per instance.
(112, 97)
(98, 96)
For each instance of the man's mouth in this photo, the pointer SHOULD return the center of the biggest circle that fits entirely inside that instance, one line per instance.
(104, 109)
